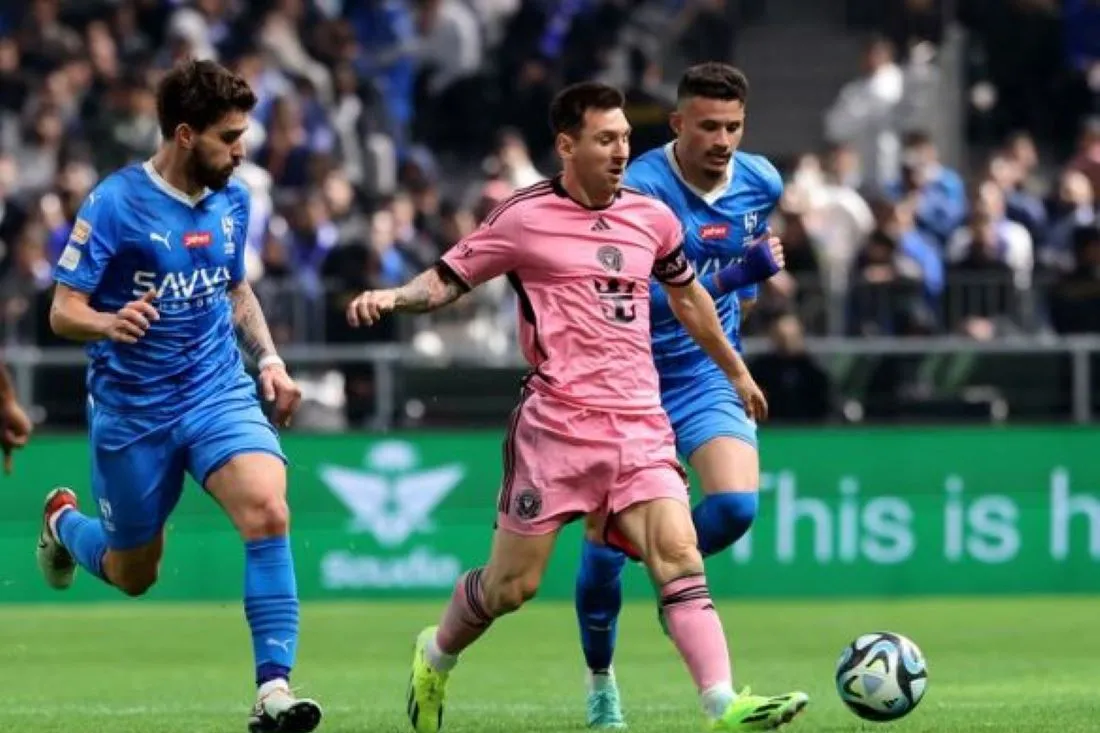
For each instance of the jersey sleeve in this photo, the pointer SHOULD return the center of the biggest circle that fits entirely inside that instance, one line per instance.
(92, 242)
(238, 234)
(636, 177)
(671, 265)
(773, 185)
(490, 251)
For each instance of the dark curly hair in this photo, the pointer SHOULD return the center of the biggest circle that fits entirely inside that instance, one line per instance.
(199, 94)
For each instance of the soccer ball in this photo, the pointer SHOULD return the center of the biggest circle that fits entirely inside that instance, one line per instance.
(881, 676)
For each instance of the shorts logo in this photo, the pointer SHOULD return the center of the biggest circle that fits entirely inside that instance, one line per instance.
(714, 231)
(610, 258)
(107, 515)
(527, 504)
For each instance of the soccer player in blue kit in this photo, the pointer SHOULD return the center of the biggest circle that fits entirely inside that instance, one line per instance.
(152, 278)
(723, 199)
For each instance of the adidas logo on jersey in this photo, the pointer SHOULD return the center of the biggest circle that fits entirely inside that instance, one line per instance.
(601, 225)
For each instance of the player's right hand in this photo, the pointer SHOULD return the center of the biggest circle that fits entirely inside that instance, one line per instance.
(15, 430)
(752, 397)
(369, 307)
(131, 323)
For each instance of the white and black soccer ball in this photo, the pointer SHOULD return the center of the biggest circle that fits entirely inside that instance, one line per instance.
(881, 676)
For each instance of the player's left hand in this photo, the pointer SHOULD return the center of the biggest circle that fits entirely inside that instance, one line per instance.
(752, 397)
(277, 386)
(15, 430)
(764, 257)
(775, 248)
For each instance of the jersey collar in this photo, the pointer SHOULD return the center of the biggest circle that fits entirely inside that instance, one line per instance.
(171, 190)
(710, 197)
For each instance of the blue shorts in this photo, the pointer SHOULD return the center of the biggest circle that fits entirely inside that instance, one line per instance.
(702, 408)
(138, 464)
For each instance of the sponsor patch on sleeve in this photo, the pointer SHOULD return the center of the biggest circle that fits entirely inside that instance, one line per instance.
(82, 230)
(70, 258)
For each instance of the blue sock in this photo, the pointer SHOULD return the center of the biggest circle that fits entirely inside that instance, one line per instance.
(599, 598)
(85, 540)
(722, 519)
(271, 606)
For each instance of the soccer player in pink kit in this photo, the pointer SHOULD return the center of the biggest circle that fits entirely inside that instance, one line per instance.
(589, 436)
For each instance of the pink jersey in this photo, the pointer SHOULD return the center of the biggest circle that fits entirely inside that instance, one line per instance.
(582, 280)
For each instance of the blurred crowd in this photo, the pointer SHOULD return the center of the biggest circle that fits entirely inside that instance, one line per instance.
(912, 246)
(387, 128)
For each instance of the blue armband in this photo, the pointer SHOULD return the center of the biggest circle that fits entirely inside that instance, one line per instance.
(756, 266)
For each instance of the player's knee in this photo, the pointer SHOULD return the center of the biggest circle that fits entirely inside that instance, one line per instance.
(510, 594)
(265, 517)
(736, 509)
(675, 554)
(136, 580)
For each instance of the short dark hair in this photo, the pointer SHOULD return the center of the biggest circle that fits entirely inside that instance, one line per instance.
(198, 94)
(570, 105)
(714, 80)
(917, 139)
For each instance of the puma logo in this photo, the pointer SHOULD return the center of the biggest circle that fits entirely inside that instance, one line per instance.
(284, 645)
(163, 238)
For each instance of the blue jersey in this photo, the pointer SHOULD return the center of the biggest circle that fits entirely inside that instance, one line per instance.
(135, 232)
(717, 227)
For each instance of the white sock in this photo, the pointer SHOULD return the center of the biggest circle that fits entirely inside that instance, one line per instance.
(716, 699)
(600, 681)
(440, 660)
(51, 522)
(271, 685)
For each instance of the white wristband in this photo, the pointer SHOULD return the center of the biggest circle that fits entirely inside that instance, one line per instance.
(271, 360)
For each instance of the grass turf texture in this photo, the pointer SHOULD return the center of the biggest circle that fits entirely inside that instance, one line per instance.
(995, 665)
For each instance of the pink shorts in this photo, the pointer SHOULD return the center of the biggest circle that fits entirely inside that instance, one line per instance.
(562, 462)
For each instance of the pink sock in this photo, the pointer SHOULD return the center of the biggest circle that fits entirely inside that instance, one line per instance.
(696, 630)
(465, 618)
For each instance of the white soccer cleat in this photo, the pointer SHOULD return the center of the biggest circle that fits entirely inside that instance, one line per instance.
(277, 710)
(56, 563)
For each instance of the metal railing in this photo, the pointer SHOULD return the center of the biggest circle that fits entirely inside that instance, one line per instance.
(301, 315)
(390, 361)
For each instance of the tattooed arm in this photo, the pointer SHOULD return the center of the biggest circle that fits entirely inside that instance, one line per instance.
(276, 386)
(249, 319)
(430, 290)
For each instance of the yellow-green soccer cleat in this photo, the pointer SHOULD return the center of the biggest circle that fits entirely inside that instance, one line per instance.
(756, 712)
(427, 688)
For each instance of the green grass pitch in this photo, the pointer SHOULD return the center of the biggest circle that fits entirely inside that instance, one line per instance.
(996, 665)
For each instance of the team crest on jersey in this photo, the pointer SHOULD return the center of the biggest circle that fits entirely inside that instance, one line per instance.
(82, 230)
(714, 231)
(610, 258)
(227, 230)
(193, 240)
(751, 220)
